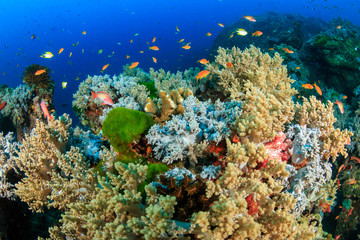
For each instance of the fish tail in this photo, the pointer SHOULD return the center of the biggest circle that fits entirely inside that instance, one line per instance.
(93, 95)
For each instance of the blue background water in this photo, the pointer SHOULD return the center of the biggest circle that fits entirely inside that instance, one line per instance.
(59, 24)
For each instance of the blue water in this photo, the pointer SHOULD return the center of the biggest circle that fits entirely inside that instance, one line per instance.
(59, 24)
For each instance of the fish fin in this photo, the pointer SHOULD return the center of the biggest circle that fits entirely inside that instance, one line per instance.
(103, 103)
(93, 95)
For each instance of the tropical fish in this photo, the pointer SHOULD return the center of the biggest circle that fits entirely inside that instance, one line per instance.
(249, 18)
(340, 106)
(208, 34)
(105, 67)
(326, 207)
(155, 48)
(344, 97)
(204, 61)
(131, 41)
(221, 25)
(231, 35)
(229, 65)
(241, 32)
(2, 105)
(297, 68)
(288, 50)
(33, 36)
(318, 89)
(186, 47)
(134, 65)
(181, 40)
(45, 110)
(83, 32)
(141, 51)
(77, 78)
(154, 39)
(307, 86)
(64, 84)
(257, 33)
(127, 56)
(177, 29)
(100, 51)
(351, 182)
(70, 54)
(61, 50)
(202, 74)
(154, 59)
(75, 44)
(47, 55)
(355, 158)
(338, 27)
(271, 49)
(41, 71)
(104, 97)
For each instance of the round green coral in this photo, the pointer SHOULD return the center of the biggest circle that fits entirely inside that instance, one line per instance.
(122, 126)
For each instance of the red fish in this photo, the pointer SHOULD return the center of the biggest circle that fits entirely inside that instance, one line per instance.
(2, 106)
(340, 105)
(104, 97)
(45, 110)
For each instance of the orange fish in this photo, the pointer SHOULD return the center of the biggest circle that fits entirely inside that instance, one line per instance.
(134, 65)
(249, 18)
(45, 110)
(154, 39)
(131, 41)
(297, 68)
(141, 51)
(231, 35)
(105, 67)
(338, 27)
(187, 47)
(318, 89)
(349, 213)
(307, 86)
(70, 54)
(177, 29)
(340, 105)
(338, 183)
(351, 182)
(61, 50)
(271, 49)
(221, 25)
(83, 32)
(208, 34)
(344, 97)
(202, 74)
(229, 65)
(155, 48)
(355, 158)
(154, 59)
(181, 40)
(326, 207)
(127, 56)
(104, 97)
(337, 237)
(257, 33)
(2, 106)
(203, 61)
(288, 50)
(39, 72)
(342, 167)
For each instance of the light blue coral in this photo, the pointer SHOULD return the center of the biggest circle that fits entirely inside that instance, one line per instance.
(200, 121)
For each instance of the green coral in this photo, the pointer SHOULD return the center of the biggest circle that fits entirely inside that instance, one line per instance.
(122, 126)
(151, 87)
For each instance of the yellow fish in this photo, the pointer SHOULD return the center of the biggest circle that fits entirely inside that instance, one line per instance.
(47, 55)
(64, 84)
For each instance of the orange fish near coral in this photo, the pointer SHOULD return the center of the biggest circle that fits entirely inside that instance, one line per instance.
(249, 18)
(307, 86)
(355, 158)
(288, 50)
(229, 65)
(105, 67)
(39, 72)
(204, 61)
(134, 65)
(45, 110)
(2, 106)
(257, 33)
(318, 89)
(202, 74)
(154, 59)
(326, 207)
(155, 48)
(103, 97)
(340, 105)
(351, 182)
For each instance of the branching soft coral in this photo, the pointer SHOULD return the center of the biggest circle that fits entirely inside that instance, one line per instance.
(262, 84)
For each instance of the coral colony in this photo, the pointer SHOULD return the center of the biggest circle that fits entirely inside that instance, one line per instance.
(239, 150)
